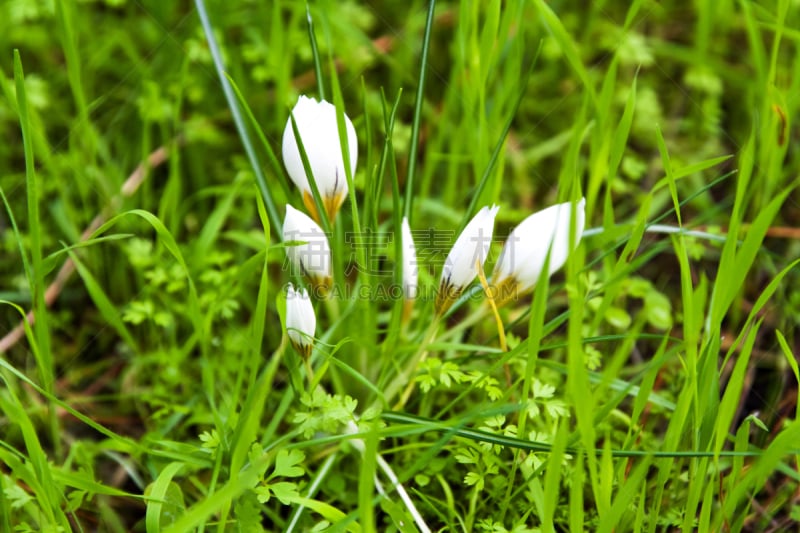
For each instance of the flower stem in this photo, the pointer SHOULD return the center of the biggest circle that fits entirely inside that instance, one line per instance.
(309, 372)
(500, 328)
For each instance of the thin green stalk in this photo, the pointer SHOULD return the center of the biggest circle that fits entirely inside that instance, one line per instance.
(456, 428)
(415, 125)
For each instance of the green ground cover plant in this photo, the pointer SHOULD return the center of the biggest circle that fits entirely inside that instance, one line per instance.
(222, 312)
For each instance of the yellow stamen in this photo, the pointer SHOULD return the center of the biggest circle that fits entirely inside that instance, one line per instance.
(330, 203)
(308, 201)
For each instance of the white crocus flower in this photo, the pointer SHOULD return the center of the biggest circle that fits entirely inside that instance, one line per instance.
(468, 252)
(410, 268)
(301, 322)
(526, 249)
(316, 124)
(313, 257)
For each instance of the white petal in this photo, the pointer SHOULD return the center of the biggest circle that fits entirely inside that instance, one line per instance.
(410, 267)
(524, 253)
(301, 322)
(314, 256)
(471, 246)
(316, 124)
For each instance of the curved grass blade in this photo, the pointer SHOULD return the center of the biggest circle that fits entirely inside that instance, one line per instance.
(158, 496)
(274, 218)
(273, 159)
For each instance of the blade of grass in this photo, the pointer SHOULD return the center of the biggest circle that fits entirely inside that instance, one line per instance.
(414, 424)
(737, 266)
(743, 345)
(320, 476)
(388, 156)
(258, 387)
(44, 359)
(366, 479)
(277, 168)
(552, 478)
(312, 180)
(784, 444)
(418, 103)
(66, 21)
(238, 120)
(790, 359)
(157, 496)
(48, 493)
(103, 303)
(667, 164)
(312, 38)
(476, 195)
(567, 45)
(338, 103)
(623, 499)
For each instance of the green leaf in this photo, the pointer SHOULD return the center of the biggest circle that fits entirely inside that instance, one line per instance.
(286, 463)
(247, 511)
(285, 491)
(75, 500)
(474, 479)
(17, 495)
(210, 439)
(658, 310)
(618, 317)
(263, 493)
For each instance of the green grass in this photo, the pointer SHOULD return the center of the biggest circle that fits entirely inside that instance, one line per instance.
(650, 385)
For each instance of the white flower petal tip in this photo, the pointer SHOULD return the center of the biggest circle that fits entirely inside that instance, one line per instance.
(468, 252)
(527, 247)
(410, 269)
(319, 133)
(312, 257)
(301, 322)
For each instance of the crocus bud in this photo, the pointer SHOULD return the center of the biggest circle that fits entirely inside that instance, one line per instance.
(301, 322)
(316, 124)
(410, 268)
(313, 257)
(465, 258)
(525, 251)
